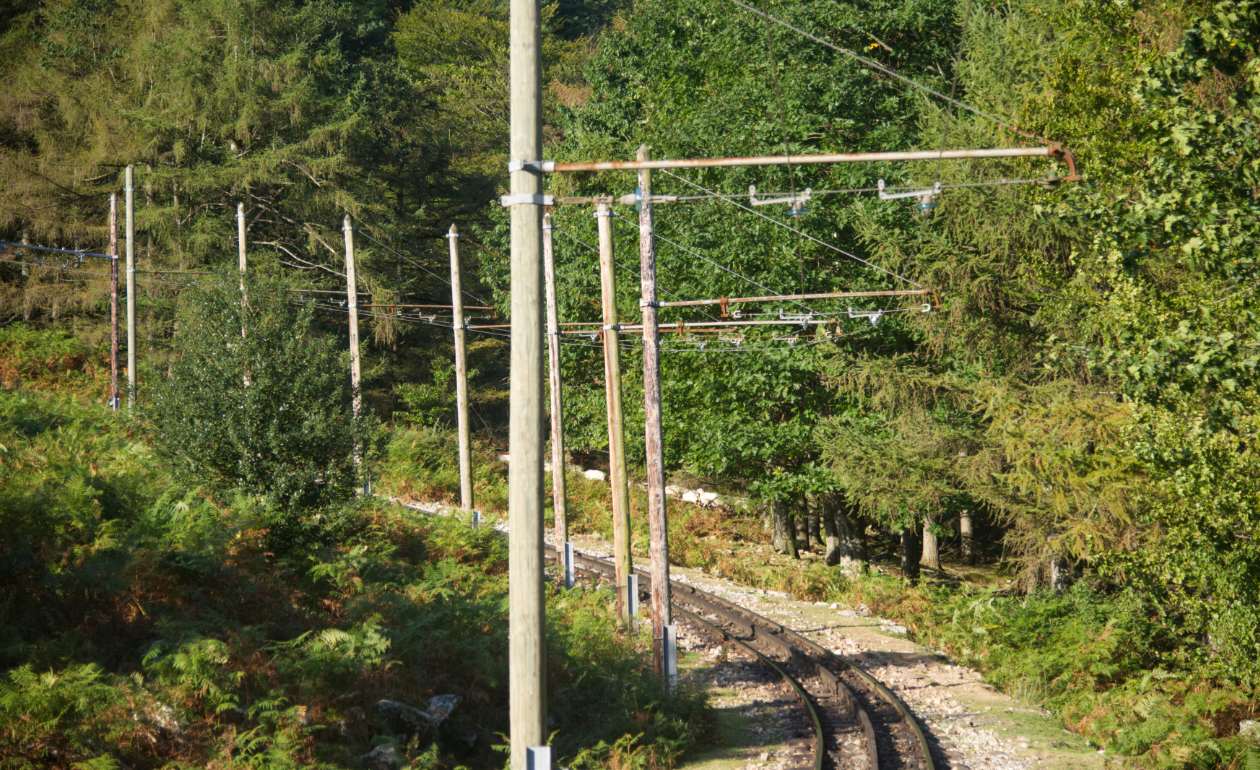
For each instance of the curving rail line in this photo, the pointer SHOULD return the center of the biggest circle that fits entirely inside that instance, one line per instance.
(857, 721)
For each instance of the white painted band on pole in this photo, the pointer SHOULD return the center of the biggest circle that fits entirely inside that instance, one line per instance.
(541, 166)
(452, 235)
(569, 570)
(669, 649)
(535, 200)
(538, 758)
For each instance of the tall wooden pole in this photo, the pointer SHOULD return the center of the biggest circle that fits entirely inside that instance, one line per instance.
(461, 376)
(352, 294)
(612, 391)
(526, 631)
(657, 519)
(113, 301)
(240, 253)
(130, 192)
(559, 492)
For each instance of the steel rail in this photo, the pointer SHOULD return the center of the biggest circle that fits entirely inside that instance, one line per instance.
(804, 652)
(602, 568)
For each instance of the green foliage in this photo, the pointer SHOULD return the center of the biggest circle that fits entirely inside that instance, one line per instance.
(257, 400)
(143, 623)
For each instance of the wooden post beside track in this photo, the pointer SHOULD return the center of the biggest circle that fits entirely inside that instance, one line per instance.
(612, 390)
(113, 301)
(657, 519)
(356, 371)
(527, 640)
(461, 376)
(558, 489)
(130, 193)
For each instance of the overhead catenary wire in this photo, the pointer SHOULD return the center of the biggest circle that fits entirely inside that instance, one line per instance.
(410, 261)
(813, 238)
(719, 266)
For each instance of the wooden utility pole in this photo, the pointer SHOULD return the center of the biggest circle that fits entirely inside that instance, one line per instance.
(113, 301)
(130, 192)
(240, 253)
(658, 522)
(559, 492)
(461, 376)
(527, 653)
(612, 391)
(352, 294)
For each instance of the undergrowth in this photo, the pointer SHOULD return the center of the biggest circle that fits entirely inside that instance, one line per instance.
(147, 625)
(1101, 659)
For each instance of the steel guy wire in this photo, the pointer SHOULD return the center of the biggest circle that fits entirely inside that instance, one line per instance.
(890, 72)
(784, 225)
(715, 264)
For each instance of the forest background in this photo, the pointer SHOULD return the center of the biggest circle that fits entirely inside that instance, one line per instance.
(1086, 388)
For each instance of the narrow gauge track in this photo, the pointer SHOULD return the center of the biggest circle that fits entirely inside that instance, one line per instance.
(857, 722)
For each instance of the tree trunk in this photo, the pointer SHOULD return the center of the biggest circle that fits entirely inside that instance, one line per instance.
(968, 543)
(780, 523)
(911, 549)
(1060, 574)
(811, 531)
(791, 527)
(846, 540)
(931, 547)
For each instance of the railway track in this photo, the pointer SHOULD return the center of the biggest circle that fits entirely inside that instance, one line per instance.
(850, 721)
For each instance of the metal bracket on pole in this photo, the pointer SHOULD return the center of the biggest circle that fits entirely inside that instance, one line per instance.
(453, 235)
(603, 214)
(871, 315)
(537, 166)
(925, 196)
(669, 650)
(570, 577)
(632, 597)
(535, 200)
(795, 202)
(612, 327)
(538, 758)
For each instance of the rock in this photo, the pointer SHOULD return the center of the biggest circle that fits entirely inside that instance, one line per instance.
(503, 458)
(162, 717)
(820, 604)
(441, 706)
(893, 628)
(381, 757)
(595, 475)
(405, 718)
(849, 613)
(690, 496)
(707, 498)
(1250, 728)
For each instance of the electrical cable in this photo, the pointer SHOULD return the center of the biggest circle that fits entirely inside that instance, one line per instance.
(784, 225)
(891, 73)
(417, 264)
(658, 236)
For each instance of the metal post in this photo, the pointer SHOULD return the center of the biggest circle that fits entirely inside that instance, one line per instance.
(461, 377)
(658, 520)
(113, 301)
(632, 596)
(476, 519)
(559, 492)
(539, 758)
(570, 567)
(352, 295)
(130, 193)
(612, 390)
(669, 645)
(526, 633)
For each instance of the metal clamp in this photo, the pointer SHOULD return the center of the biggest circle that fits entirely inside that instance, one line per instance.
(871, 315)
(537, 166)
(603, 213)
(456, 235)
(535, 200)
(796, 203)
(649, 303)
(611, 327)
